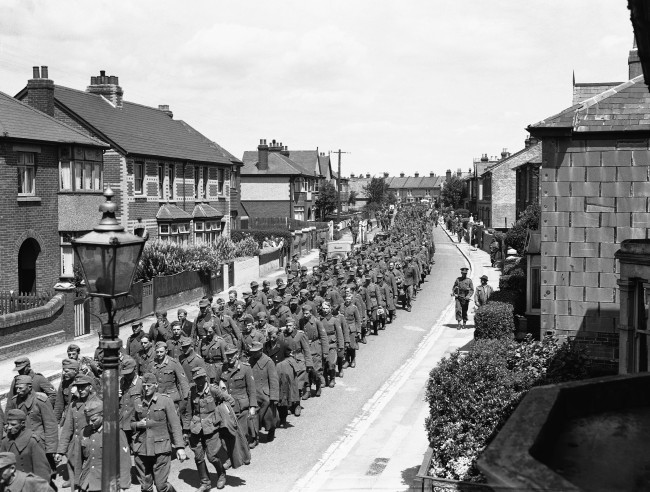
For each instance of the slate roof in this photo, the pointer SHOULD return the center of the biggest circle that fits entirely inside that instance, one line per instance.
(524, 156)
(141, 130)
(203, 210)
(169, 211)
(411, 182)
(621, 108)
(19, 120)
(278, 164)
(325, 166)
(308, 160)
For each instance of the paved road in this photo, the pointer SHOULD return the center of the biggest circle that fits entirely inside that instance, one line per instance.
(297, 452)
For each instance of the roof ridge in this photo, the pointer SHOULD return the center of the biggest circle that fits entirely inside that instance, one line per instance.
(124, 101)
(51, 118)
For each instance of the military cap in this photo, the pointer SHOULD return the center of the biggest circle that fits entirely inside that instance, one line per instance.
(304, 291)
(22, 362)
(261, 315)
(204, 303)
(484, 277)
(303, 268)
(93, 407)
(290, 278)
(279, 281)
(232, 291)
(73, 346)
(256, 347)
(7, 459)
(272, 330)
(293, 300)
(295, 255)
(136, 324)
(181, 311)
(313, 288)
(265, 283)
(247, 293)
(306, 307)
(82, 379)
(380, 275)
(240, 303)
(326, 304)
(16, 414)
(161, 344)
(149, 378)
(186, 341)
(248, 319)
(230, 350)
(220, 300)
(161, 313)
(464, 269)
(254, 283)
(198, 372)
(277, 299)
(70, 364)
(128, 365)
(23, 379)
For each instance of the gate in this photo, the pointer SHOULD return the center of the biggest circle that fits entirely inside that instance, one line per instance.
(81, 318)
(147, 299)
(216, 282)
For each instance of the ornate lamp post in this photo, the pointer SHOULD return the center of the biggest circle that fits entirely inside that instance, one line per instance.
(108, 256)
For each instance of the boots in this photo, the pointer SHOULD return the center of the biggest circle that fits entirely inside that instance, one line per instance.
(318, 385)
(204, 476)
(306, 392)
(221, 480)
(332, 382)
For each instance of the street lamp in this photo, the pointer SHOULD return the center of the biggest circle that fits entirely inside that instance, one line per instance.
(108, 256)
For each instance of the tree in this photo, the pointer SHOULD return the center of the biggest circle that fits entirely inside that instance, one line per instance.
(453, 192)
(376, 191)
(327, 200)
(391, 199)
(352, 198)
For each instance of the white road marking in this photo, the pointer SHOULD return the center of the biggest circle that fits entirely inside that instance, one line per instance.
(339, 449)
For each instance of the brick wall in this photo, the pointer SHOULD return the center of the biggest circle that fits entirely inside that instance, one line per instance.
(594, 195)
(21, 220)
(504, 188)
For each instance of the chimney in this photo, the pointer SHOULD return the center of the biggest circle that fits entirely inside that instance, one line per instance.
(505, 153)
(417, 174)
(386, 175)
(527, 142)
(263, 155)
(401, 175)
(285, 151)
(40, 91)
(459, 173)
(432, 174)
(107, 86)
(484, 158)
(533, 140)
(448, 176)
(275, 146)
(634, 62)
(367, 175)
(165, 109)
(351, 175)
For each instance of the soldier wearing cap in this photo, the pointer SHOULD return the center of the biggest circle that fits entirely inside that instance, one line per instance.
(253, 306)
(281, 312)
(134, 342)
(160, 331)
(303, 298)
(190, 359)
(279, 288)
(257, 294)
(295, 309)
(213, 350)
(336, 343)
(411, 279)
(263, 324)
(201, 427)
(28, 448)
(145, 356)
(73, 351)
(170, 375)
(319, 348)
(463, 290)
(157, 431)
(231, 305)
(91, 451)
(40, 416)
(388, 297)
(250, 334)
(73, 425)
(353, 322)
(130, 388)
(294, 266)
(373, 301)
(187, 327)
(266, 382)
(204, 317)
(40, 383)
(14, 480)
(226, 327)
(174, 343)
(483, 292)
(238, 378)
(66, 388)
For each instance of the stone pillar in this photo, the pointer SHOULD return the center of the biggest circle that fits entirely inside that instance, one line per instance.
(67, 315)
(626, 356)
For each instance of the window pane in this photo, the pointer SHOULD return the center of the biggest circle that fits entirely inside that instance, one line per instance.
(170, 179)
(161, 180)
(67, 261)
(88, 175)
(66, 175)
(205, 182)
(78, 175)
(138, 171)
(97, 176)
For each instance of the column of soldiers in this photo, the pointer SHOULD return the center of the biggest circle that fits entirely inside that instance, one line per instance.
(214, 383)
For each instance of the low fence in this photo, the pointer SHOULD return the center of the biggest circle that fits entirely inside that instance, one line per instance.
(271, 259)
(280, 223)
(12, 302)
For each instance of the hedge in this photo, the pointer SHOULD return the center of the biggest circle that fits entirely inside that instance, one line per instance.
(260, 234)
(513, 282)
(515, 298)
(462, 212)
(471, 396)
(494, 320)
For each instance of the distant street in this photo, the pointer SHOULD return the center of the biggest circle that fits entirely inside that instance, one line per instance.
(279, 465)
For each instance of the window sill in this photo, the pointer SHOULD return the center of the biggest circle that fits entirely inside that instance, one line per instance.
(29, 199)
(81, 192)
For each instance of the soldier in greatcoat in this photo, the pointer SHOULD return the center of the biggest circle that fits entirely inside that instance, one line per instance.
(336, 344)
(463, 290)
(66, 388)
(27, 446)
(238, 378)
(353, 320)
(134, 342)
(130, 388)
(266, 383)
(40, 383)
(171, 377)
(319, 347)
(213, 350)
(14, 480)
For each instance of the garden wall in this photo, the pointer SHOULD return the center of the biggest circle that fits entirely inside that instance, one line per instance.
(269, 260)
(247, 270)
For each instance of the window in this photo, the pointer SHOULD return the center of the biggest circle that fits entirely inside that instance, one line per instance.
(171, 175)
(535, 284)
(138, 178)
(299, 213)
(233, 178)
(83, 173)
(196, 183)
(26, 173)
(164, 229)
(161, 181)
(205, 182)
(221, 178)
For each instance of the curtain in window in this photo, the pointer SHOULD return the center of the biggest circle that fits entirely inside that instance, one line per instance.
(66, 175)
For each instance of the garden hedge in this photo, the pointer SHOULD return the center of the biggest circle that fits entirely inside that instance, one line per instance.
(516, 281)
(515, 298)
(260, 234)
(494, 320)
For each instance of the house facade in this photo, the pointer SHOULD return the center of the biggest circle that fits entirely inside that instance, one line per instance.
(527, 182)
(595, 183)
(414, 189)
(36, 153)
(276, 182)
(170, 181)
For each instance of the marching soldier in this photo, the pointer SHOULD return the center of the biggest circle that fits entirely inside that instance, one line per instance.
(213, 350)
(266, 383)
(40, 384)
(28, 448)
(160, 331)
(319, 348)
(187, 327)
(204, 318)
(353, 320)
(174, 349)
(463, 290)
(170, 375)
(332, 326)
(14, 480)
(190, 359)
(64, 393)
(134, 342)
(130, 388)
(146, 355)
(73, 351)
(238, 377)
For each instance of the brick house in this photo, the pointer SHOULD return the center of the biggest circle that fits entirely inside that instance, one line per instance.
(474, 187)
(276, 182)
(527, 182)
(595, 183)
(170, 181)
(34, 149)
(413, 189)
(497, 209)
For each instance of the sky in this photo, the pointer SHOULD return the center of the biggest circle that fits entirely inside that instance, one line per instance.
(402, 86)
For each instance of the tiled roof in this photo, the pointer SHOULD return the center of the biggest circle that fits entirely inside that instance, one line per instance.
(324, 165)
(169, 211)
(621, 108)
(307, 159)
(218, 148)
(140, 130)
(278, 164)
(21, 121)
(203, 210)
(411, 182)
(524, 156)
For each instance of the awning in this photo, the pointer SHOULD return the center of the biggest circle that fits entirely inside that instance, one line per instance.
(205, 211)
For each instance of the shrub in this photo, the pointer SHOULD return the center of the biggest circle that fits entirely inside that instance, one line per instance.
(516, 299)
(515, 281)
(470, 397)
(494, 320)
(260, 234)
(514, 263)
(528, 220)
(247, 247)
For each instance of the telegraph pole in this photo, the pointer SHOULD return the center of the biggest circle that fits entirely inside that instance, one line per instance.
(338, 185)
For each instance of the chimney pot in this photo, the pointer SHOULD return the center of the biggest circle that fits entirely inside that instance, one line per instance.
(44, 74)
(401, 175)
(431, 174)
(368, 175)
(102, 73)
(386, 175)
(36, 72)
(417, 174)
(107, 87)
